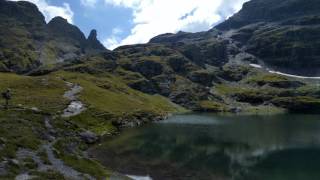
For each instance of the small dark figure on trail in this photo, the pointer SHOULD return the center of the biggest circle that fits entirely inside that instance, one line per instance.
(6, 96)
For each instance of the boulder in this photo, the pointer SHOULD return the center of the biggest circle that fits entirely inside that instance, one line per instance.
(89, 137)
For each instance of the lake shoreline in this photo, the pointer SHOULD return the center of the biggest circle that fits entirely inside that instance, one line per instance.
(142, 151)
(142, 123)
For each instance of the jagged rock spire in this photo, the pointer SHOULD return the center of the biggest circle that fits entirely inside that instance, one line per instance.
(93, 42)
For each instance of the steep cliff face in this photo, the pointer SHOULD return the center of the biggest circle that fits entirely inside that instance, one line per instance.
(21, 30)
(285, 35)
(257, 11)
(281, 35)
(22, 11)
(60, 28)
(64, 41)
(201, 48)
(28, 43)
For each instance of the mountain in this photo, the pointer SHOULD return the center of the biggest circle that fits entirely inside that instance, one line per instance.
(68, 91)
(93, 45)
(29, 43)
(284, 35)
(22, 28)
(200, 71)
(270, 11)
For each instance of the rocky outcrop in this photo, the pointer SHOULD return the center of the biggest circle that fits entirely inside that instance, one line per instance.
(201, 48)
(60, 28)
(284, 35)
(257, 11)
(179, 64)
(22, 28)
(203, 77)
(148, 68)
(89, 137)
(93, 45)
(301, 104)
(23, 12)
(291, 49)
(145, 86)
(64, 41)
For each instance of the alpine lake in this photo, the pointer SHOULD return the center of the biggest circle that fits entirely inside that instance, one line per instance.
(210, 146)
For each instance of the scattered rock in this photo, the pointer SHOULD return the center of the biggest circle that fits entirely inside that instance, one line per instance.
(75, 107)
(236, 110)
(15, 162)
(3, 170)
(89, 137)
(24, 176)
(35, 109)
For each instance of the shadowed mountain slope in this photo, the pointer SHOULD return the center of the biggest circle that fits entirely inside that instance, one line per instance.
(28, 43)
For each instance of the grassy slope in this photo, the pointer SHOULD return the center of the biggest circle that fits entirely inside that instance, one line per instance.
(108, 93)
(43, 92)
(261, 92)
(106, 97)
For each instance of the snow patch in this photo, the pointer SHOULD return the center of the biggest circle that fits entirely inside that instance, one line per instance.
(284, 74)
(139, 177)
(256, 66)
(292, 75)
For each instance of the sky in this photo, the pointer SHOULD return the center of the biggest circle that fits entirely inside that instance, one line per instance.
(123, 22)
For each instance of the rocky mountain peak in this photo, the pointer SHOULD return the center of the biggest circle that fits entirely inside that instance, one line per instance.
(58, 20)
(93, 35)
(283, 35)
(93, 43)
(59, 27)
(22, 11)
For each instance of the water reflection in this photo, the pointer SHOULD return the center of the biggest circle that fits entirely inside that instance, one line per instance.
(219, 147)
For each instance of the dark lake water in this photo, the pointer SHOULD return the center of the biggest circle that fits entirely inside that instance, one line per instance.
(204, 146)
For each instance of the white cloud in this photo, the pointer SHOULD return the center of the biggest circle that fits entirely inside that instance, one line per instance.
(154, 17)
(117, 31)
(89, 3)
(125, 3)
(113, 41)
(51, 11)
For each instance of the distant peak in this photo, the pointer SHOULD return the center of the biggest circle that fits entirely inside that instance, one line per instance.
(26, 4)
(93, 43)
(93, 35)
(181, 32)
(58, 19)
(23, 11)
